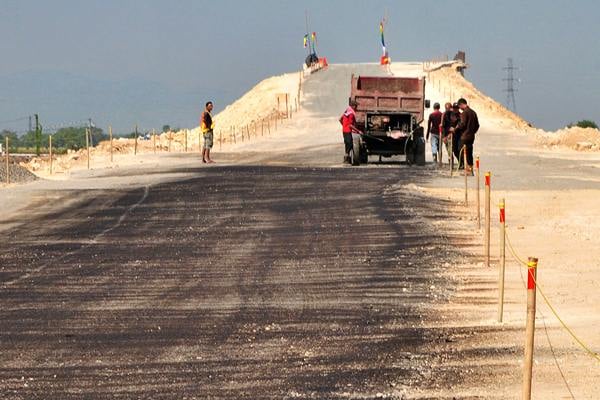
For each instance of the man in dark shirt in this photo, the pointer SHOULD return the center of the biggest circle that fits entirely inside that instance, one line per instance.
(433, 128)
(467, 128)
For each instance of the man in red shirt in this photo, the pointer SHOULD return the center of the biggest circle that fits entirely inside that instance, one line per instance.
(348, 121)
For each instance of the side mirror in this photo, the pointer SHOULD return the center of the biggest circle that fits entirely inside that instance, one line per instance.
(427, 103)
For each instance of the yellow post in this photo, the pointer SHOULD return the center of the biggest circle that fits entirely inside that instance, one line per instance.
(530, 327)
(185, 135)
(170, 139)
(135, 142)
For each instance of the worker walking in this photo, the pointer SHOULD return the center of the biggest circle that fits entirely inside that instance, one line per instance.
(450, 119)
(466, 130)
(207, 127)
(348, 121)
(433, 127)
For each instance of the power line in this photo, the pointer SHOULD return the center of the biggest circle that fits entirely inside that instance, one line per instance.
(510, 85)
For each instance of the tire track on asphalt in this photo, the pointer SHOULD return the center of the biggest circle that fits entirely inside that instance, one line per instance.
(84, 245)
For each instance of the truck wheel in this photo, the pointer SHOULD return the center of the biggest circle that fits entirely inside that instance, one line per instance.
(355, 153)
(364, 156)
(419, 149)
(409, 150)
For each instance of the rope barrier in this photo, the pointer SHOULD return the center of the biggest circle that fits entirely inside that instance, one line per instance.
(585, 347)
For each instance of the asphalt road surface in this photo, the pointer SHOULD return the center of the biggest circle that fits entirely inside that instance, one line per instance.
(241, 282)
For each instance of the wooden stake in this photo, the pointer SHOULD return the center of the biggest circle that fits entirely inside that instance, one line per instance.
(154, 140)
(440, 145)
(185, 132)
(452, 156)
(170, 139)
(110, 136)
(530, 327)
(50, 151)
(7, 161)
(488, 178)
(478, 196)
(502, 260)
(220, 140)
(135, 143)
(87, 146)
(466, 178)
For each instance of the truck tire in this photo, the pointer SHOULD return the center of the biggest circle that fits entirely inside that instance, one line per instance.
(419, 149)
(364, 156)
(355, 153)
(409, 150)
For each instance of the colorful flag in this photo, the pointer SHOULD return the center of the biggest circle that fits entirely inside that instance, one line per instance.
(314, 37)
(305, 40)
(382, 38)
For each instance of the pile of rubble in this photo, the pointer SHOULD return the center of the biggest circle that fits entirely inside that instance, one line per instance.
(17, 174)
(580, 139)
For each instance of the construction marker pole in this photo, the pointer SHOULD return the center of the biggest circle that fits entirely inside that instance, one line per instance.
(452, 154)
(50, 150)
(170, 139)
(135, 142)
(87, 146)
(200, 141)
(440, 144)
(287, 108)
(110, 137)
(466, 178)
(154, 140)
(478, 196)
(7, 161)
(502, 260)
(530, 327)
(488, 178)
(185, 135)
(220, 140)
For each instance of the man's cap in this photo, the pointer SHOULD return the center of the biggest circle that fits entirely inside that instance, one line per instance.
(462, 101)
(455, 105)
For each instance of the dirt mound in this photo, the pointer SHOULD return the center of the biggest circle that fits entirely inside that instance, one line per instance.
(250, 113)
(451, 85)
(18, 174)
(581, 139)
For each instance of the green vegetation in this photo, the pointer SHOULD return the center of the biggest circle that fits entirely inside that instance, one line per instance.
(70, 138)
(584, 123)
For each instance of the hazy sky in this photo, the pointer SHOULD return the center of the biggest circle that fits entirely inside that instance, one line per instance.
(156, 62)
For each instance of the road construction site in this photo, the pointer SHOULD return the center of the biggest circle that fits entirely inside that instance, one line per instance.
(280, 273)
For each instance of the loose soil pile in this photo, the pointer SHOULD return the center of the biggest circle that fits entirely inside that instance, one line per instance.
(581, 139)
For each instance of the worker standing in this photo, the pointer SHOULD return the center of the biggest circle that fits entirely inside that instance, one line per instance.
(450, 119)
(207, 127)
(348, 121)
(433, 127)
(466, 130)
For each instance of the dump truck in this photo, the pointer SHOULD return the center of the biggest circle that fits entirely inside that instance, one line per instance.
(389, 113)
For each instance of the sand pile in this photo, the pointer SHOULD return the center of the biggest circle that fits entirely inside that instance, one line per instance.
(581, 139)
(451, 85)
(252, 112)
